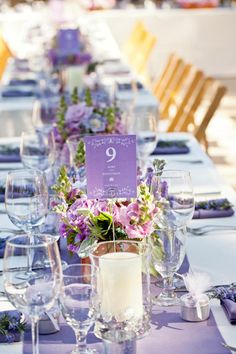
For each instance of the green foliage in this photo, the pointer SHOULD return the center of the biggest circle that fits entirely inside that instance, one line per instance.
(88, 98)
(159, 166)
(74, 96)
(63, 185)
(80, 154)
(61, 117)
(9, 323)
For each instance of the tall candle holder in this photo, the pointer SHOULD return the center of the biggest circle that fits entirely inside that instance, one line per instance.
(125, 301)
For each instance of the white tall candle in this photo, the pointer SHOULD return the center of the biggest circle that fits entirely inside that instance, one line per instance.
(121, 275)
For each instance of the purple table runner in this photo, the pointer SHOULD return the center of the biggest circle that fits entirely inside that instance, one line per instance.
(169, 334)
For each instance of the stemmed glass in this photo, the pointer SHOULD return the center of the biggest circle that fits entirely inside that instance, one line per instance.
(26, 198)
(37, 150)
(35, 293)
(78, 300)
(144, 126)
(172, 242)
(174, 192)
(76, 146)
(44, 113)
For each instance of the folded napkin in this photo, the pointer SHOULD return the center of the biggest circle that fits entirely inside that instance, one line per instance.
(171, 147)
(10, 319)
(230, 309)
(9, 153)
(127, 86)
(12, 93)
(214, 208)
(24, 82)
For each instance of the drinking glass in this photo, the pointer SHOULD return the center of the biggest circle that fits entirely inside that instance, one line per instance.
(38, 151)
(76, 147)
(144, 126)
(172, 242)
(174, 192)
(26, 198)
(44, 113)
(37, 292)
(77, 301)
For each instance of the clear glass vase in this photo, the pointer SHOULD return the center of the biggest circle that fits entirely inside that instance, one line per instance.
(125, 302)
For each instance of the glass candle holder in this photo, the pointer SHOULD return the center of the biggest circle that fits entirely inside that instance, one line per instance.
(125, 302)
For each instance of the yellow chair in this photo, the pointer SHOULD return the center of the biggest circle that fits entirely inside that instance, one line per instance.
(5, 54)
(200, 130)
(136, 36)
(194, 81)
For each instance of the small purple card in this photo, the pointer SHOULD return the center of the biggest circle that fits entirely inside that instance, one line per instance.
(68, 41)
(111, 166)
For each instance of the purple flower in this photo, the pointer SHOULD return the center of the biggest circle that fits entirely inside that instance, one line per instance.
(96, 123)
(77, 113)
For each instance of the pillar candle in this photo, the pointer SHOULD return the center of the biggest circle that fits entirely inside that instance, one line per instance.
(121, 276)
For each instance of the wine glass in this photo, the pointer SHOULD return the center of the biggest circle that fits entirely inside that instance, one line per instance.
(76, 146)
(144, 126)
(37, 292)
(78, 301)
(44, 113)
(172, 242)
(174, 192)
(37, 150)
(26, 198)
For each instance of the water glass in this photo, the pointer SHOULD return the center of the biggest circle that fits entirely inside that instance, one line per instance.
(174, 192)
(171, 241)
(32, 277)
(26, 198)
(78, 301)
(44, 113)
(37, 150)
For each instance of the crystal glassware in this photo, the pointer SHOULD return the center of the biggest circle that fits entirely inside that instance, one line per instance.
(124, 303)
(37, 150)
(26, 198)
(171, 244)
(144, 126)
(174, 192)
(44, 113)
(32, 287)
(77, 301)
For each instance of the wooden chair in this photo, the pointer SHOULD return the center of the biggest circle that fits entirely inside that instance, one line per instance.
(168, 76)
(200, 130)
(171, 96)
(5, 54)
(135, 38)
(143, 51)
(193, 84)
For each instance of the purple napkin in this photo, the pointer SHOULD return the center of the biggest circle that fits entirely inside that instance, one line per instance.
(214, 208)
(171, 147)
(17, 93)
(24, 82)
(10, 158)
(205, 214)
(230, 309)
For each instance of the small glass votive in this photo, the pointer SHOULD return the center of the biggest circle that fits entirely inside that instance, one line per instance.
(194, 310)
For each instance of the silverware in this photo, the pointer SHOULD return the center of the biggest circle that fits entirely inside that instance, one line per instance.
(188, 161)
(233, 349)
(202, 230)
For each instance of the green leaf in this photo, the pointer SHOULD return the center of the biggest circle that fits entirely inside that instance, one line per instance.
(87, 247)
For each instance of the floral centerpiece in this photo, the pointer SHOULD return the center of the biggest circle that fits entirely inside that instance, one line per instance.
(84, 222)
(92, 114)
(69, 48)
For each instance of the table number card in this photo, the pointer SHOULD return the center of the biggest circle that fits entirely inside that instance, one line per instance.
(111, 166)
(68, 41)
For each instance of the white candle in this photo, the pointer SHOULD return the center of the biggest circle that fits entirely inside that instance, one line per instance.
(121, 275)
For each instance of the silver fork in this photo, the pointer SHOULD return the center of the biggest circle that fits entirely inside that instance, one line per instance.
(202, 230)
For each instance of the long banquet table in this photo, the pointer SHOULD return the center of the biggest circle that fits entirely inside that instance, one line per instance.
(213, 253)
